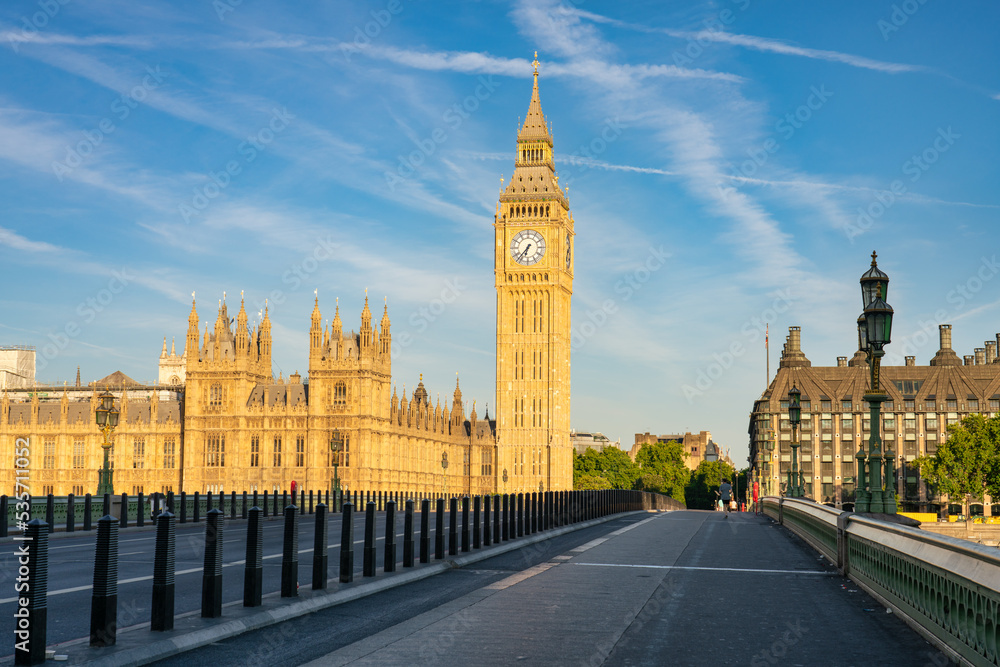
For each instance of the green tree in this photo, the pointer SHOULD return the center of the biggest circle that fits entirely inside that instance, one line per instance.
(705, 482)
(968, 462)
(612, 466)
(663, 469)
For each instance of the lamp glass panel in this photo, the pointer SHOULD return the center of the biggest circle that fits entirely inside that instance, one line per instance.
(113, 418)
(102, 417)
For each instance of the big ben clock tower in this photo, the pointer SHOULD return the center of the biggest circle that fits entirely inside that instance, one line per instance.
(534, 281)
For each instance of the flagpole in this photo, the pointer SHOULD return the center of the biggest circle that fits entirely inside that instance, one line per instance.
(767, 351)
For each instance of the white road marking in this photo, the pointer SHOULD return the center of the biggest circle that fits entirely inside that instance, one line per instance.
(708, 569)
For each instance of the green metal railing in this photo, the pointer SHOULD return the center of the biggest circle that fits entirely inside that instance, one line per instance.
(946, 588)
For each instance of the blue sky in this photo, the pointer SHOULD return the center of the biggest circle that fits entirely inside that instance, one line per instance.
(729, 163)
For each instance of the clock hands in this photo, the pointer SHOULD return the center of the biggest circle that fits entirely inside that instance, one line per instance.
(525, 252)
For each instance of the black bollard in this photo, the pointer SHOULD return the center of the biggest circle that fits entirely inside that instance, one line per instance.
(310, 501)
(211, 578)
(196, 514)
(425, 537)
(477, 540)
(104, 595)
(140, 515)
(107, 505)
(184, 507)
(70, 513)
(164, 558)
(32, 602)
(170, 503)
(453, 526)
(4, 515)
(487, 533)
(496, 520)
(505, 520)
(243, 512)
(208, 502)
(439, 529)
(290, 554)
(50, 511)
(253, 571)
(284, 501)
(321, 559)
(408, 535)
(88, 505)
(274, 502)
(368, 554)
(520, 515)
(124, 511)
(347, 544)
(465, 524)
(389, 557)
(232, 504)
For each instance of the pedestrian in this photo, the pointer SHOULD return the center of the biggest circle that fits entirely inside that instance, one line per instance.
(756, 497)
(726, 495)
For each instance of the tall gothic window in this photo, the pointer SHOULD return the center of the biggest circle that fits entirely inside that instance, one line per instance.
(277, 452)
(215, 451)
(139, 453)
(215, 397)
(49, 451)
(255, 451)
(340, 395)
(79, 454)
(169, 453)
(300, 451)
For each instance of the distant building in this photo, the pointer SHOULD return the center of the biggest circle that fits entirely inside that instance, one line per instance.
(17, 366)
(583, 441)
(923, 401)
(698, 447)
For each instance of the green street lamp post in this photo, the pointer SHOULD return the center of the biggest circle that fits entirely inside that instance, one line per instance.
(796, 482)
(336, 447)
(875, 492)
(107, 421)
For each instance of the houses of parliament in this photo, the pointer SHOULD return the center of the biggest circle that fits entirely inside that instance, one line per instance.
(218, 419)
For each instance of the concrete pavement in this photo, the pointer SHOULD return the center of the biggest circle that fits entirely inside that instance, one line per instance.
(678, 588)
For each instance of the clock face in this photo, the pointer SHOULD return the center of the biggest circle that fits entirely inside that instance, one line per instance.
(569, 252)
(527, 247)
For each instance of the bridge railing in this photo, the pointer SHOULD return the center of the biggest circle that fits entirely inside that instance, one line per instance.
(945, 588)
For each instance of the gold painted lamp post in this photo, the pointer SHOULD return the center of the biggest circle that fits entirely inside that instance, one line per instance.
(107, 421)
(875, 492)
(444, 471)
(336, 446)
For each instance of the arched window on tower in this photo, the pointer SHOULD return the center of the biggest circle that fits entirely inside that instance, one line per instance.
(215, 397)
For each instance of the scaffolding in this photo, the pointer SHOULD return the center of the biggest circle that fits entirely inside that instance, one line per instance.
(17, 366)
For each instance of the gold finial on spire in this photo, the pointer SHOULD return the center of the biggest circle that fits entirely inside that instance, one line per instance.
(421, 377)
(535, 63)
(874, 256)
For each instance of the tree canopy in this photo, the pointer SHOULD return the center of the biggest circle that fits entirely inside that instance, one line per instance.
(658, 468)
(663, 469)
(968, 462)
(705, 481)
(611, 467)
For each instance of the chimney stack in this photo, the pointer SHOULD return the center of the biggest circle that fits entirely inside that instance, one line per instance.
(970, 360)
(991, 351)
(945, 356)
(980, 356)
(791, 355)
(911, 361)
(945, 330)
(794, 339)
(841, 362)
